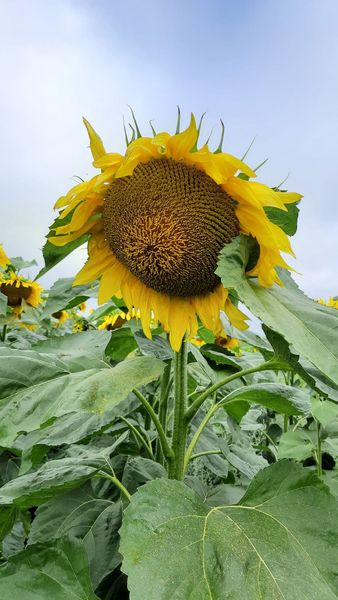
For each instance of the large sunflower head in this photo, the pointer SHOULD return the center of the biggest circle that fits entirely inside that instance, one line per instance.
(158, 216)
(20, 291)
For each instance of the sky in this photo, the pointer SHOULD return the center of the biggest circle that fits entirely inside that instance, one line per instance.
(269, 69)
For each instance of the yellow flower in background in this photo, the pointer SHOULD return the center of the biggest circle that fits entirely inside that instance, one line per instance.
(332, 303)
(61, 316)
(29, 326)
(158, 217)
(115, 320)
(79, 326)
(227, 342)
(19, 291)
(4, 260)
(82, 306)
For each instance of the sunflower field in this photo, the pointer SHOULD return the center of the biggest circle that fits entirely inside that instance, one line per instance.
(153, 446)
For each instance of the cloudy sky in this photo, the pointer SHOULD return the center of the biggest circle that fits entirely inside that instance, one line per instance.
(268, 68)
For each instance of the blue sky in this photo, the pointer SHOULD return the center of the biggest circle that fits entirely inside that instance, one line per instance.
(269, 69)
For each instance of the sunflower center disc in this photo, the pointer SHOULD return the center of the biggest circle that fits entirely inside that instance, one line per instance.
(167, 223)
(15, 294)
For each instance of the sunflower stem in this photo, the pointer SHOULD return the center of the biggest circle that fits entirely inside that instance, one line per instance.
(180, 427)
(163, 407)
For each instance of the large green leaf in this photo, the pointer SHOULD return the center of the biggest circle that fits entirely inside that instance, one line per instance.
(37, 387)
(285, 399)
(53, 478)
(311, 328)
(55, 571)
(81, 514)
(279, 543)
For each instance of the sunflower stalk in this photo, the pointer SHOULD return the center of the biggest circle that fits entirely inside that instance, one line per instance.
(163, 409)
(180, 427)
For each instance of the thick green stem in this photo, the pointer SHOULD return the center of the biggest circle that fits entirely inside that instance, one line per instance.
(180, 426)
(319, 449)
(167, 451)
(192, 410)
(163, 407)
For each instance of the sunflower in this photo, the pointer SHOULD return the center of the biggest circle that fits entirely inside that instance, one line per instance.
(158, 217)
(62, 316)
(19, 291)
(227, 342)
(4, 260)
(115, 320)
(332, 302)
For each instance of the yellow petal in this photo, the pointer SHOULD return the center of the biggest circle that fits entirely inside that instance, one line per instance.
(236, 317)
(96, 144)
(108, 160)
(181, 144)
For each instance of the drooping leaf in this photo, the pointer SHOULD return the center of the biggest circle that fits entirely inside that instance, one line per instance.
(53, 478)
(285, 399)
(44, 388)
(278, 543)
(53, 571)
(311, 328)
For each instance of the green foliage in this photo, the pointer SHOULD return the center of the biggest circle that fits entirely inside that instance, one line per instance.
(310, 327)
(254, 549)
(87, 422)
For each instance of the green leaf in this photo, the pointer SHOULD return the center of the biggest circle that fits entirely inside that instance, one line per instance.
(158, 346)
(285, 399)
(311, 328)
(7, 520)
(53, 478)
(297, 444)
(220, 356)
(324, 411)
(279, 543)
(83, 350)
(139, 470)
(3, 304)
(54, 254)
(19, 263)
(288, 360)
(63, 296)
(38, 387)
(81, 514)
(285, 219)
(53, 571)
(121, 343)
